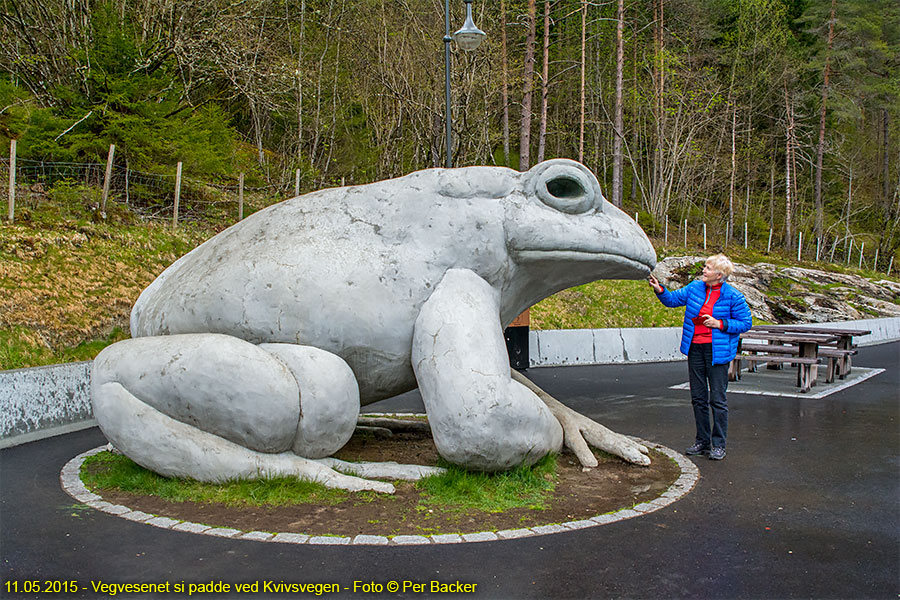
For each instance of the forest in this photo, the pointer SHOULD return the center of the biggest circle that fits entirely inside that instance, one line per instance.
(781, 114)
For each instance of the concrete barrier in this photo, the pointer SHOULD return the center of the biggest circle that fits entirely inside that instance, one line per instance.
(555, 347)
(45, 401)
(603, 346)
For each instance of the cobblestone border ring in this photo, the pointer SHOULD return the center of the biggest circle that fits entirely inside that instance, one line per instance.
(70, 478)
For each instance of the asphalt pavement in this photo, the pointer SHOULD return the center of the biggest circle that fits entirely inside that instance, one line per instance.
(806, 505)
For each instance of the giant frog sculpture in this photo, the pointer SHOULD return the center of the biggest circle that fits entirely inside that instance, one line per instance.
(251, 355)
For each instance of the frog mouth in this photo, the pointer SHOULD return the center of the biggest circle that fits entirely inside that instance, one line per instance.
(641, 266)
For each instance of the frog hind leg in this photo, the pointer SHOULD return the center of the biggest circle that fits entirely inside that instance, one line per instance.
(480, 417)
(329, 411)
(206, 406)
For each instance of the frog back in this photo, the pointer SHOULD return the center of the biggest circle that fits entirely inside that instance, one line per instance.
(345, 270)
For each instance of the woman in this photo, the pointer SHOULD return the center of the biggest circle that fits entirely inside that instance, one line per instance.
(715, 316)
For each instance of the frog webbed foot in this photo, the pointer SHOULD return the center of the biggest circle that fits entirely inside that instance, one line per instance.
(384, 470)
(320, 471)
(580, 432)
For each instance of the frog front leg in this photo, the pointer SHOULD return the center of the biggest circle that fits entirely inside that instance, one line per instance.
(484, 415)
(216, 408)
(480, 417)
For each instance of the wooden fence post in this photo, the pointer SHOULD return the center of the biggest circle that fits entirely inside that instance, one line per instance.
(769, 245)
(12, 179)
(177, 195)
(818, 246)
(107, 177)
(241, 197)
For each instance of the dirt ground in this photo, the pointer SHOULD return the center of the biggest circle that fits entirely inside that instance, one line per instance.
(578, 495)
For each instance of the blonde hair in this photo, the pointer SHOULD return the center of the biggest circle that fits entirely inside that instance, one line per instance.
(721, 264)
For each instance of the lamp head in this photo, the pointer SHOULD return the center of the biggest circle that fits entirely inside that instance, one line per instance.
(469, 37)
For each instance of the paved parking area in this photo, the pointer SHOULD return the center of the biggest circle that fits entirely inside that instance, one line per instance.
(807, 504)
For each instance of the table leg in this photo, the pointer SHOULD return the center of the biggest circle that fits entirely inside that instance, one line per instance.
(806, 374)
(775, 365)
(734, 369)
(845, 342)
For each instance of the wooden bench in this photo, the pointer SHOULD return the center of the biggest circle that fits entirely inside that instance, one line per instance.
(835, 356)
(805, 379)
(837, 359)
(844, 338)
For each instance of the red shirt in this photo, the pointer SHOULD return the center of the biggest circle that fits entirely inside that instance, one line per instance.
(702, 333)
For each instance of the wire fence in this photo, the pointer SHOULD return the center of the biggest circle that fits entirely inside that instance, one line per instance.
(171, 197)
(152, 196)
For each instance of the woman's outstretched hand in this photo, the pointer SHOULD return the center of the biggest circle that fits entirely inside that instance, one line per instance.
(654, 284)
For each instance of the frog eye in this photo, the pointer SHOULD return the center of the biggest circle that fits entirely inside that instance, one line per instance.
(564, 185)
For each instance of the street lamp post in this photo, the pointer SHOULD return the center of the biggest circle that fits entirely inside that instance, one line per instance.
(468, 38)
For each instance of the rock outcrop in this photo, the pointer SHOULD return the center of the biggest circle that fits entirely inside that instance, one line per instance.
(795, 294)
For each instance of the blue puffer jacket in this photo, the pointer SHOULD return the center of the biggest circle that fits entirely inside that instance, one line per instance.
(731, 308)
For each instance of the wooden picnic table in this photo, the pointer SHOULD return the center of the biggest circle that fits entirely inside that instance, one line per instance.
(808, 345)
(844, 340)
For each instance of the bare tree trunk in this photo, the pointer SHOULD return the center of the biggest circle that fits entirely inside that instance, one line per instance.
(300, 83)
(584, 6)
(618, 126)
(635, 123)
(658, 105)
(820, 220)
(729, 228)
(253, 100)
(334, 94)
(527, 87)
(849, 203)
(504, 91)
(772, 198)
(788, 208)
(545, 84)
(886, 233)
(748, 174)
(885, 164)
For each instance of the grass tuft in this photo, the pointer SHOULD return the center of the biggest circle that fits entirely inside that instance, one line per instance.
(522, 487)
(106, 470)
(456, 490)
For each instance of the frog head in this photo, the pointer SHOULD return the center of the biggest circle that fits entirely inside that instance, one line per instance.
(561, 232)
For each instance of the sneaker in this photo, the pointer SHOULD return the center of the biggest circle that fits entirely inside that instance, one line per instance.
(696, 449)
(717, 454)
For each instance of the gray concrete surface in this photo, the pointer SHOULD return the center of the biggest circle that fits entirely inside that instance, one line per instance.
(783, 383)
(806, 505)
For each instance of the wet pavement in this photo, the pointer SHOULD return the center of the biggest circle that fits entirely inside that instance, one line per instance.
(806, 504)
